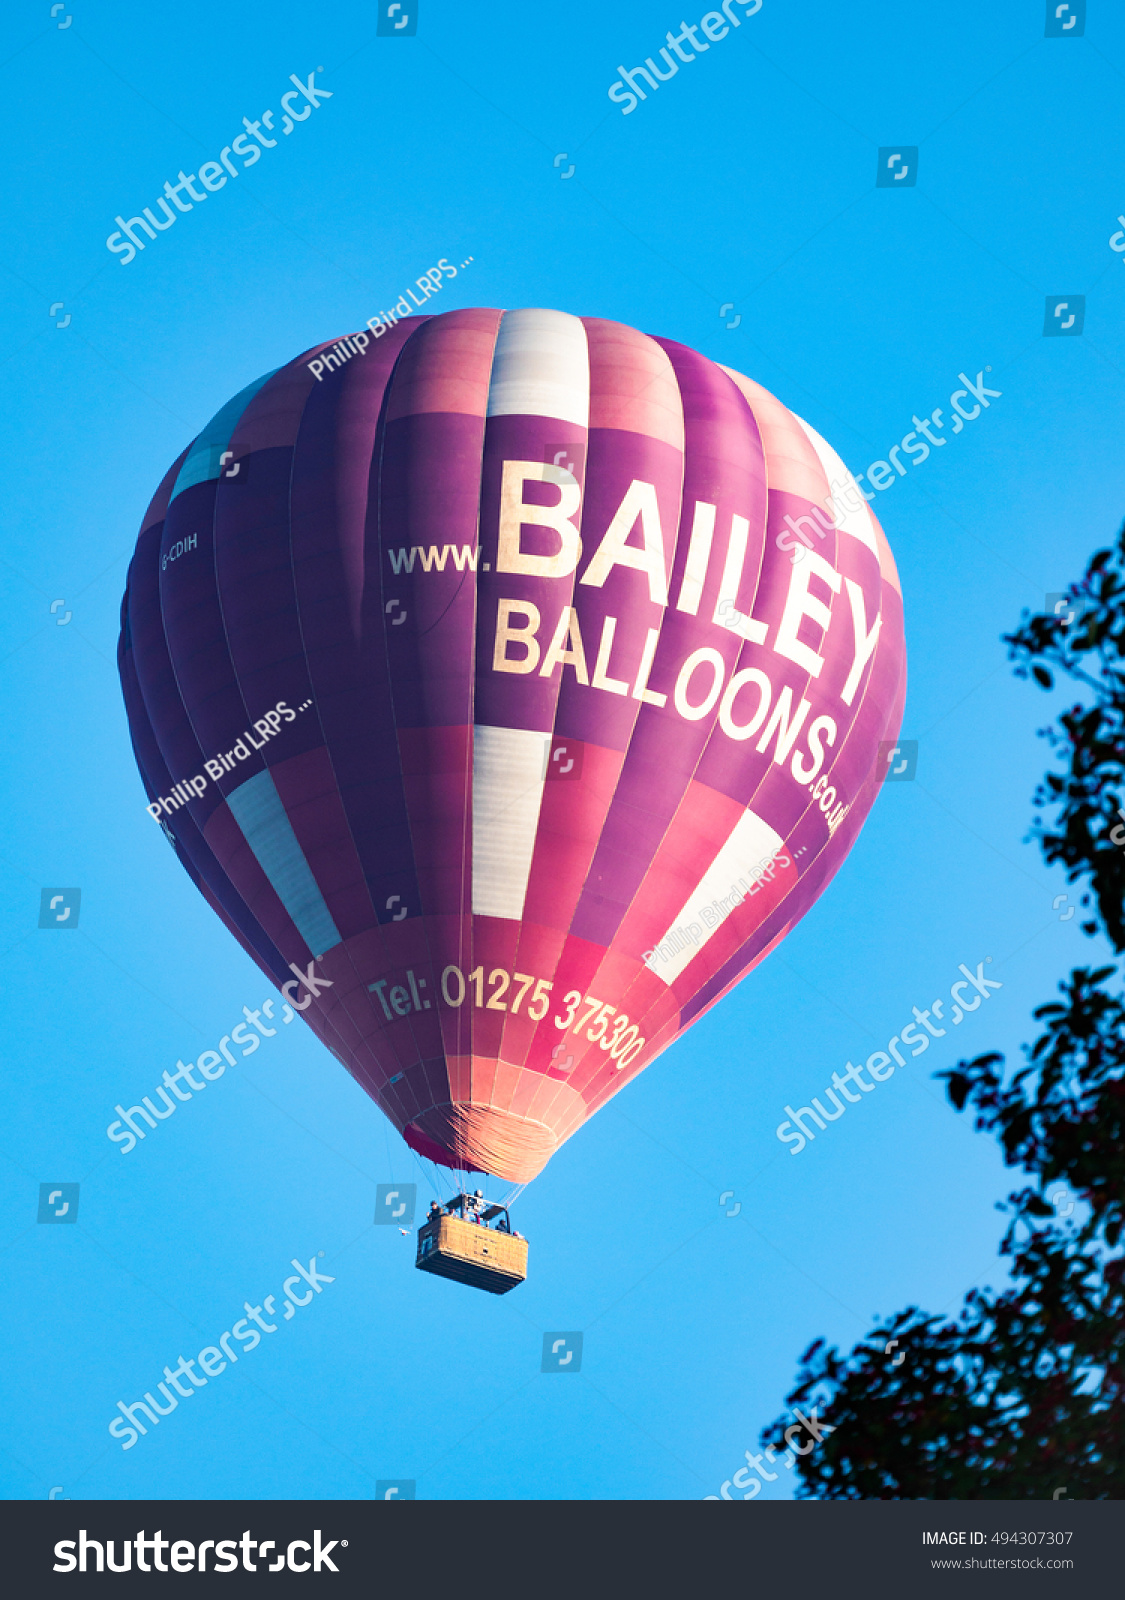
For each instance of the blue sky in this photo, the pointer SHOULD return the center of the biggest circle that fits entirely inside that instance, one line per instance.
(749, 180)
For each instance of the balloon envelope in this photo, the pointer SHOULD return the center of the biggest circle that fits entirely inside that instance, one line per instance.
(518, 681)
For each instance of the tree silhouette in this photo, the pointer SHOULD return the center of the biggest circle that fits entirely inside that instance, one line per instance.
(1020, 1396)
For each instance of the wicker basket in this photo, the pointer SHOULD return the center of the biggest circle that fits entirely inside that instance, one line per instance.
(483, 1257)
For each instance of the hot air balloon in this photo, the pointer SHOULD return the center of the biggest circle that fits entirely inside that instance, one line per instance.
(510, 685)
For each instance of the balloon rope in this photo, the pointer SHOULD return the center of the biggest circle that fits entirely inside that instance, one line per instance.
(387, 1147)
(429, 1172)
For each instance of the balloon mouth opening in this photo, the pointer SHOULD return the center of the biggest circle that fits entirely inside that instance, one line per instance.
(433, 1151)
(483, 1139)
